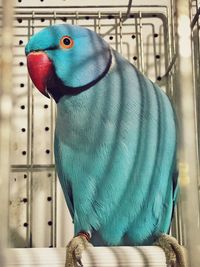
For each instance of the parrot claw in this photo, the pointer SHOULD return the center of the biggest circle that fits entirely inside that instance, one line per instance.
(74, 251)
(174, 252)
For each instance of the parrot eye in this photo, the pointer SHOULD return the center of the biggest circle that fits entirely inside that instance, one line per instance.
(66, 42)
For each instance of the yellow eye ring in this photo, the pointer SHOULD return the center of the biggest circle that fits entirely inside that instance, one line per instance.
(66, 42)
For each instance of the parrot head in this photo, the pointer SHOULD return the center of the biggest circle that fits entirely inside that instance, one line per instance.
(66, 60)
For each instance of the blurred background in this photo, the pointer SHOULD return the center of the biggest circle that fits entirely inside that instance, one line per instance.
(161, 38)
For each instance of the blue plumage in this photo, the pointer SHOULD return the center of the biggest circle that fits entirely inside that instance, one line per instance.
(115, 139)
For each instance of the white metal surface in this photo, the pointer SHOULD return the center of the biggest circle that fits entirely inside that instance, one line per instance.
(93, 257)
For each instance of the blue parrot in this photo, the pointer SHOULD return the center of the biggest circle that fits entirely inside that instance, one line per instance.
(115, 136)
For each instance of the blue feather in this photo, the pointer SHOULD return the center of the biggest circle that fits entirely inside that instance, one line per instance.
(115, 141)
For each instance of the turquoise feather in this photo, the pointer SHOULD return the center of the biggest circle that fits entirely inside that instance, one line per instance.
(115, 142)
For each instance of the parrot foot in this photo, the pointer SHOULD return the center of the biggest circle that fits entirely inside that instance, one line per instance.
(74, 251)
(174, 252)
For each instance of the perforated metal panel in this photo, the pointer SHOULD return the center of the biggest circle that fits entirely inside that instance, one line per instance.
(38, 213)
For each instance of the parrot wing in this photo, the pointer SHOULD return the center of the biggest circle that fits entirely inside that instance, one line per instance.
(66, 187)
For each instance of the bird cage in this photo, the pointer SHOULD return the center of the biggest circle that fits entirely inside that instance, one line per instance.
(145, 34)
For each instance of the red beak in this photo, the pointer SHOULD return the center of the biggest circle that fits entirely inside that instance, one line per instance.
(40, 68)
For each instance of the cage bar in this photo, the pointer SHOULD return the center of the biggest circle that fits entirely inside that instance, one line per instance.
(6, 38)
(188, 156)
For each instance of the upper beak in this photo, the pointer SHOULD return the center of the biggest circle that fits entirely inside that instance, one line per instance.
(40, 68)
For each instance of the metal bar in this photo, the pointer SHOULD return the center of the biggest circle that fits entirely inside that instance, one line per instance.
(120, 32)
(32, 167)
(141, 53)
(137, 42)
(60, 14)
(90, 6)
(154, 51)
(195, 19)
(54, 202)
(28, 182)
(51, 167)
(148, 44)
(54, 185)
(171, 64)
(172, 30)
(54, 209)
(160, 46)
(188, 158)
(116, 34)
(195, 67)
(6, 40)
(54, 16)
(166, 50)
(99, 22)
(196, 75)
(128, 9)
(30, 148)
(170, 51)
